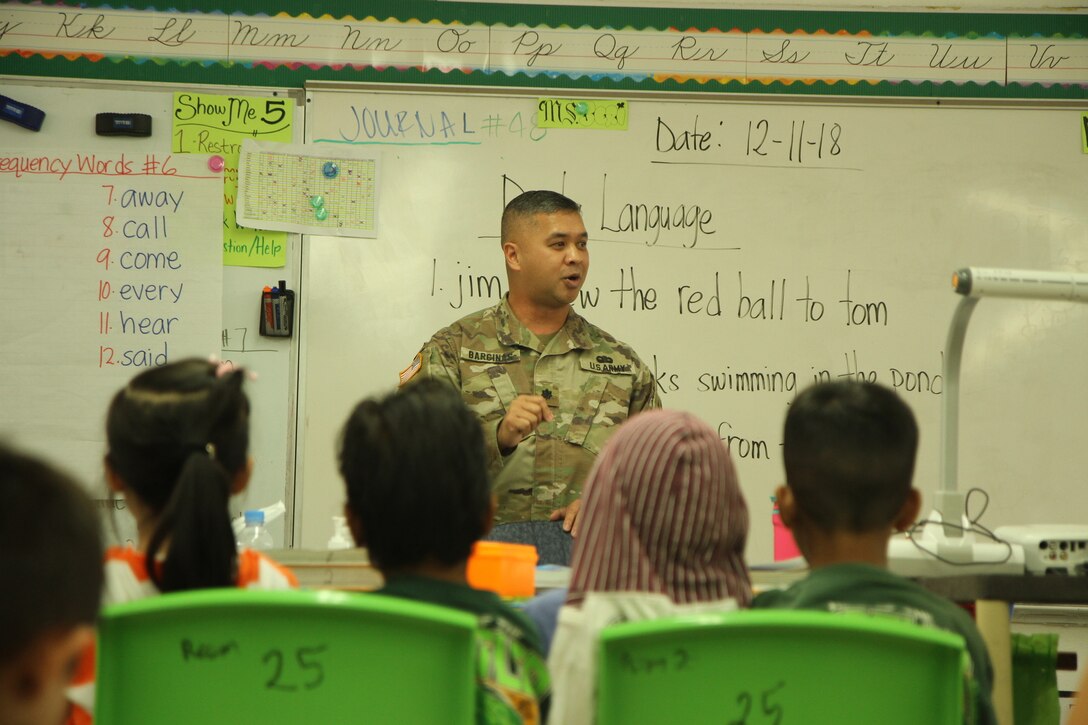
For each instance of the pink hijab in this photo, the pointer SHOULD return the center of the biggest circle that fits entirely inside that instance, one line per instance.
(663, 513)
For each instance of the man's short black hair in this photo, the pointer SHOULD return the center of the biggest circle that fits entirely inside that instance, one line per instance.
(416, 474)
(849, 450)
(50, 553)
(530, 203)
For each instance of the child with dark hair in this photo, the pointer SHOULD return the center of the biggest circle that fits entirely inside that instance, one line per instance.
(50, 556)
(849, 451)
(177, 449)
(418, 498)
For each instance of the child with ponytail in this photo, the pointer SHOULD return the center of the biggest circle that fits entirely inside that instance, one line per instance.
(177, 450)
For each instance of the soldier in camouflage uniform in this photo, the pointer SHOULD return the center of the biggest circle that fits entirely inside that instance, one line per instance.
(548, 386)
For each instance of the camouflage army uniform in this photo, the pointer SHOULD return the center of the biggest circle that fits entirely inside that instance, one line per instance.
(592, 382)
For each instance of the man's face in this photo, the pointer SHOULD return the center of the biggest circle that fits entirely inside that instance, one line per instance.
(552, 257)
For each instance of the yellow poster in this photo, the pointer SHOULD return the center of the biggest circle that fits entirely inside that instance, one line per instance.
(207, 124)
(604, 115)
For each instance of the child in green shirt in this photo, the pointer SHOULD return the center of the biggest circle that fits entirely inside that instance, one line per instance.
(418, 499)
(849, 451)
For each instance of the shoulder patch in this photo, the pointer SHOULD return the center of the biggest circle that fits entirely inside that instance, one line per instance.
(503, 357)
(410, 372)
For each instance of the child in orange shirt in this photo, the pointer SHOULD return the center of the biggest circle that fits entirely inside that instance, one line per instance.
(178, 448)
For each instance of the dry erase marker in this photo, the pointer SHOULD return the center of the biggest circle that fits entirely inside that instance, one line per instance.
(284, 317)
(276, 305)
(269, 319)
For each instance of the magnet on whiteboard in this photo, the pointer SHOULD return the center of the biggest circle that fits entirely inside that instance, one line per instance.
(216, 163)
(582, 108)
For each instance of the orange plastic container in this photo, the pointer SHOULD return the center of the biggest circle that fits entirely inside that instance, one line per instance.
(509, 570)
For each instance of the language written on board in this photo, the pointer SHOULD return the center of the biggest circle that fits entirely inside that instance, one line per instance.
(738, 300)
(758, 141)
(141, 281)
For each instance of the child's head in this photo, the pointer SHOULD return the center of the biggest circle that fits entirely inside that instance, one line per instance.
(849, 451)
(663, 513)
(51, 559)
(416, 474)
(178, 438)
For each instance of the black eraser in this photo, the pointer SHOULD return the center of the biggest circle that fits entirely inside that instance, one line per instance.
(21, 114)
(122, 124)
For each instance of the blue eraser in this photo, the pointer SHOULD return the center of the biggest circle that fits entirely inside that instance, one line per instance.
(21, 114)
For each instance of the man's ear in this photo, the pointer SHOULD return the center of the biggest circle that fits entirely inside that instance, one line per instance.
(510, 253)
(489, 516)
(355, 525)
(787, 505)
(241, 479)
(113, 481)
(908, 512)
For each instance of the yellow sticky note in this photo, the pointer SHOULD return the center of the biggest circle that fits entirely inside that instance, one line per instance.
(1084, 132)
(210, 124)
(606, 115)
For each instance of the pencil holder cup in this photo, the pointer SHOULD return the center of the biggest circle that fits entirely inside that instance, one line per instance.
(277, 315)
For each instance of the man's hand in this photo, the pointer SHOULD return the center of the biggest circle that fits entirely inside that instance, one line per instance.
(569, 514)
(524, 415)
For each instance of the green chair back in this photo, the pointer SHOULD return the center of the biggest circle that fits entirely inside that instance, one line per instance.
(228, 655)
(780, 667)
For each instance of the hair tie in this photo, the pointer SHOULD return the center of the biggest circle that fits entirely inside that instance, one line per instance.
(225, 367)
(209, 448)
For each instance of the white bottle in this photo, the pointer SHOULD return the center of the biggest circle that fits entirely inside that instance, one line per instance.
(254, 535)
(341, 534)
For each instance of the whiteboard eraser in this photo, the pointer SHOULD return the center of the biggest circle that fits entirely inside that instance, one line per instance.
(21, 114)
(122, 124)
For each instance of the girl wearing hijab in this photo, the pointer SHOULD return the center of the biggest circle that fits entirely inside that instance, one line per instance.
(663, 533)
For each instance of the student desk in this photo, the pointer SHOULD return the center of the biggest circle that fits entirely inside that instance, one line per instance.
(350, 569)
(992, 595)
(345, 569)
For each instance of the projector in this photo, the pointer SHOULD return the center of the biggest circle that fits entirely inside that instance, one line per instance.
(1050, 548)
(927, 551)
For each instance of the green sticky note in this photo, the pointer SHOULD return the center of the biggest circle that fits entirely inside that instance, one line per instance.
(605, 115)
(1084, 132)
(210, 124)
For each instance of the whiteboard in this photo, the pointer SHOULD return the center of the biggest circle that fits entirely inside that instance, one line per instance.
(807, 239)
(229, 325)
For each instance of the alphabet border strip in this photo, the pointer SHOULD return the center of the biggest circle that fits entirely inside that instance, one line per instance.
(752, 57)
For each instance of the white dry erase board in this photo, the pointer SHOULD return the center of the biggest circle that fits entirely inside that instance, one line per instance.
(744, 247)
(54, 391)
